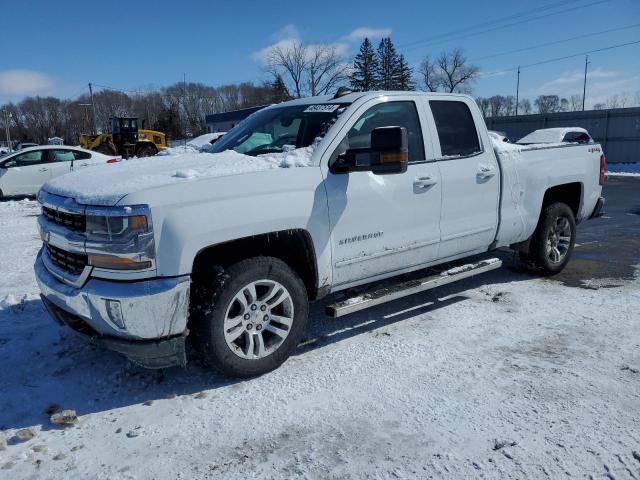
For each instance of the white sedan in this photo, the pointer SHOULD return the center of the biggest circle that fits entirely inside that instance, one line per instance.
(25, 171)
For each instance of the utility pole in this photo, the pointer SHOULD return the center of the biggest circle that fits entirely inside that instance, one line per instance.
(518, 91)
(584, 87)
(184, 107)
(93, 110)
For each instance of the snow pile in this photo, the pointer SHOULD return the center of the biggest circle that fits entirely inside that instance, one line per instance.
(105, 185)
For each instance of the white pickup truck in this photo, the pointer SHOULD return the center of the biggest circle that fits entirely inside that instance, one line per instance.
(224, 250)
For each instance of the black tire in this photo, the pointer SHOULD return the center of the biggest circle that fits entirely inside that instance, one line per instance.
(551, 233)
(104, 149)
(216, 297)
(146, 151)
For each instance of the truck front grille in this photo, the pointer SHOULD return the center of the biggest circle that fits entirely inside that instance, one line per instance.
(72, 221)
(70, 262)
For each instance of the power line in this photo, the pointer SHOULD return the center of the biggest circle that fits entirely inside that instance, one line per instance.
(556, 42)
(421, 43)
(490, 22)
(556, 59)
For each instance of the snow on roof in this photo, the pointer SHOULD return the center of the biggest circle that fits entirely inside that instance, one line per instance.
(107, 184)
(549, 135)
(205, 139)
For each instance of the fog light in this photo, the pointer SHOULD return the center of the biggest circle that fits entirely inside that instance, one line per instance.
(114, 310)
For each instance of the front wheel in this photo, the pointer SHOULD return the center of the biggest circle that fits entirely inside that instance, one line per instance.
(251, 318)
(553, 240)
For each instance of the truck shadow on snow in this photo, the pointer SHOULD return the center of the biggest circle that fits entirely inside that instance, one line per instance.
(47, 366)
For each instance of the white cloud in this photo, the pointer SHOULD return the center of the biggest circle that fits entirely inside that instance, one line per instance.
(601, 85)
(24, 82)
(368, 32)
(287, 32)
(286, 38)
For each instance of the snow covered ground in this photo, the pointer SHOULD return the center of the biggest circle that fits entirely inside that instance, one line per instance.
(502, 376)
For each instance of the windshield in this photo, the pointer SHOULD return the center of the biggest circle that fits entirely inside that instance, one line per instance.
(279, 129)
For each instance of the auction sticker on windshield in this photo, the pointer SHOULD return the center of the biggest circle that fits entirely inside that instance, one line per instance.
(321, 108)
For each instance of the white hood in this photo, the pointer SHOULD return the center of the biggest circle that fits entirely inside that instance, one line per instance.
(107, 184)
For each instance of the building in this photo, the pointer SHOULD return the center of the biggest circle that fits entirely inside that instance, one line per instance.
(225, 121)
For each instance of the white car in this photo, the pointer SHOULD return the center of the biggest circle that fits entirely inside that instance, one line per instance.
(557, 135)
(25, 171)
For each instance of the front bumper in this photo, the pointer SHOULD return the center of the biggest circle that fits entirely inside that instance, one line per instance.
(150, 325)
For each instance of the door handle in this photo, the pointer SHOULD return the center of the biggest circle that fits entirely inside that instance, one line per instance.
(424, 182)
(84, 164)
(43, 170)
(485, 171)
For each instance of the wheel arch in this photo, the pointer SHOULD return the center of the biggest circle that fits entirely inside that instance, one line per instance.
(294, 247)
(568, 193)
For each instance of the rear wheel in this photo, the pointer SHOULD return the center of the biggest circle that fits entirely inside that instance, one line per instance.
(252, 318)
(553, 240)
(104, 149)
(146, 151)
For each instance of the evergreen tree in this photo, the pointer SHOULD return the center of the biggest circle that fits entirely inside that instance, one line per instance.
(403, 76)
(280, 92)
(365, 67)
(387, 71)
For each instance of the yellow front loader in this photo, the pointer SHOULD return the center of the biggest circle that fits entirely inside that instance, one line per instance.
(126, 140)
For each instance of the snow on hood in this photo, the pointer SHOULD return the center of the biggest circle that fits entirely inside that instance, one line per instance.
(107, 184)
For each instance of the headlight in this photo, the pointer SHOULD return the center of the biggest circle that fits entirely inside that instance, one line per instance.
(112, 228)
(120, 238)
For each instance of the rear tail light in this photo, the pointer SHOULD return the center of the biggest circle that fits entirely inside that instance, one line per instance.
(113, 160)
(603, 173)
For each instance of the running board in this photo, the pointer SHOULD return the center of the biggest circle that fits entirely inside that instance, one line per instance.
(387, 294)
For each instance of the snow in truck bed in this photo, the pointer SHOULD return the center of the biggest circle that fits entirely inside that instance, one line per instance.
(105, 185)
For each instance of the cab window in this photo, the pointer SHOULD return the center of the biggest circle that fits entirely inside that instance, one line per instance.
(577, 137)
(456, 129)
(388, 114)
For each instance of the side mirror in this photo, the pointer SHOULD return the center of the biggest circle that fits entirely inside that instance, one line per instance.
(8, 164)
(388, 153)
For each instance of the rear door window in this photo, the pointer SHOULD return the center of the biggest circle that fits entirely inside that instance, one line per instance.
(456, 129)
(78, 155)
(61, 156)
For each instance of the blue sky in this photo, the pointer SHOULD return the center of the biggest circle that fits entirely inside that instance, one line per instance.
(57, 47)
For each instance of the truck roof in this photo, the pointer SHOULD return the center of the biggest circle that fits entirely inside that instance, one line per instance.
(352, 97)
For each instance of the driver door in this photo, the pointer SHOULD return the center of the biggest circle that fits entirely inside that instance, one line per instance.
(25, 173)
(383, 225)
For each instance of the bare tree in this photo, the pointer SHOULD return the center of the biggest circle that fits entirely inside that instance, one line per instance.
(524, 106)
(292, 60)
(450, 72)
(430, 77)
(575, 103)
(547, 103)
(613, 101)
(455, 72)
(599, 106)
(624, 99)
(483, 103)
(325, 68)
